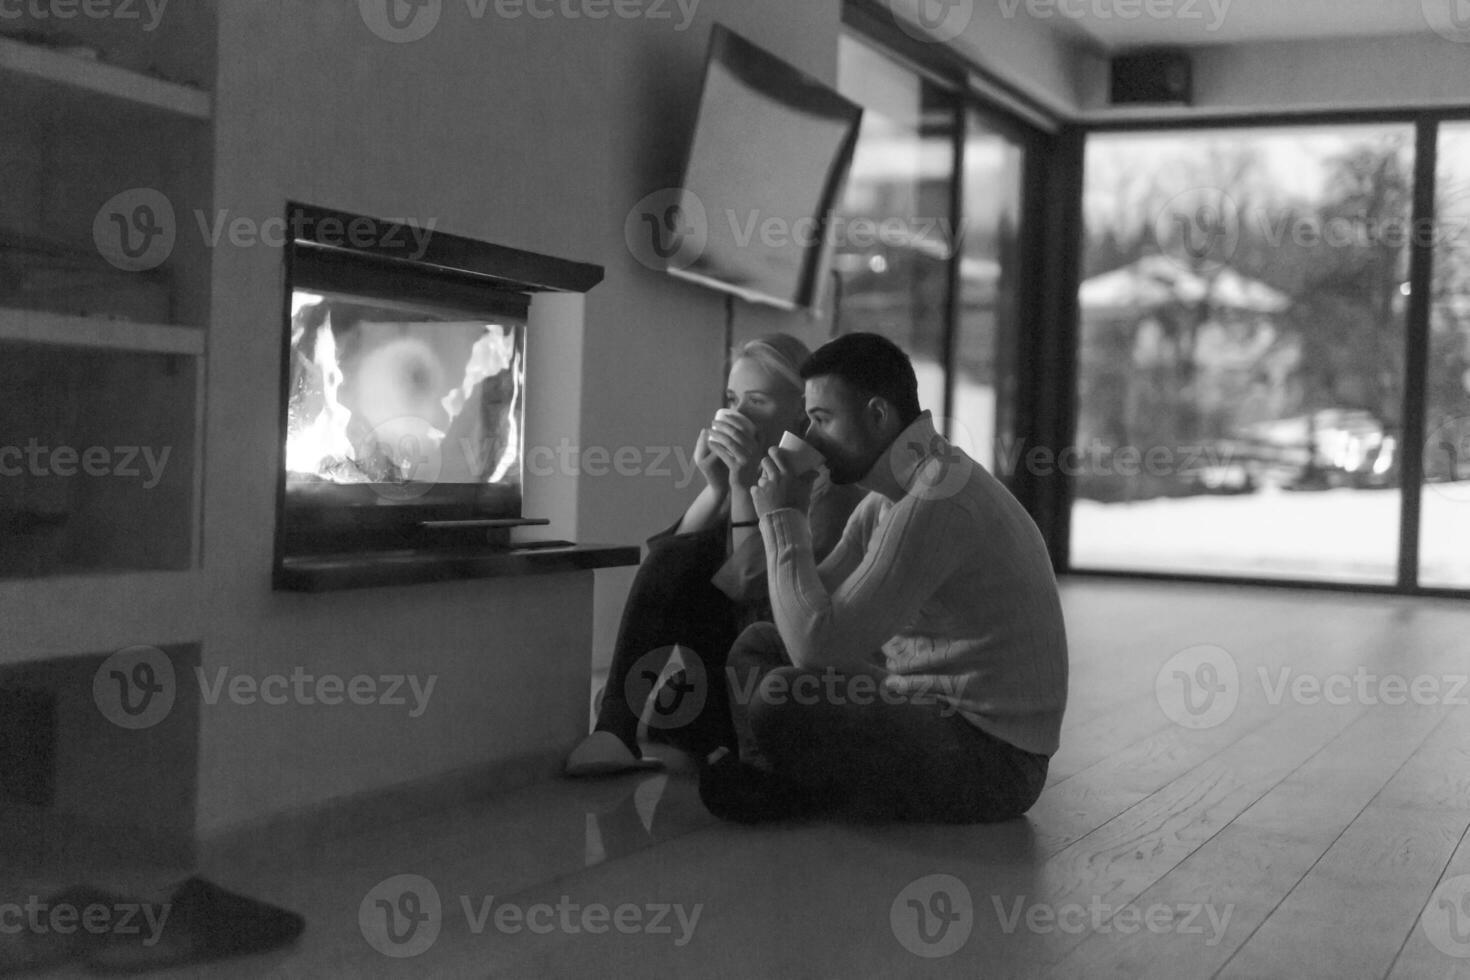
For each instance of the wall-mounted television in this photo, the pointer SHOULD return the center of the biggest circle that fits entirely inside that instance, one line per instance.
(767, 163)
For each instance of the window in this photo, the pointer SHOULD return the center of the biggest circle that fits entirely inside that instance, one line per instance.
(1444, 539)
(1254, 375)
(930, 238)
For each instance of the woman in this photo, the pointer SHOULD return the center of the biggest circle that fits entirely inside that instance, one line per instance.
(704, 579)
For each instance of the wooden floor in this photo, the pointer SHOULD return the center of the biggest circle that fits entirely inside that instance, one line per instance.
(1270, 833)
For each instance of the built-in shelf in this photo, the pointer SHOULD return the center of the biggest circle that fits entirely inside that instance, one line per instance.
(34, 61)
(365, 570)
(63, 616)
(40, 327)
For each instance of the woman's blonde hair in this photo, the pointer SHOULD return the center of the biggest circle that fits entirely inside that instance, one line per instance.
(780, 354)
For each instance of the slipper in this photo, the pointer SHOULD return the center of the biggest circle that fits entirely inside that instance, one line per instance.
(604, 754)
(204, 922)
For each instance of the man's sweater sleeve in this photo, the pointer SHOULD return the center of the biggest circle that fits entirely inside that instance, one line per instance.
(743, 576)
(909, 554)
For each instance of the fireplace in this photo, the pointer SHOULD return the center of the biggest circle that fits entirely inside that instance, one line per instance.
(404, 392)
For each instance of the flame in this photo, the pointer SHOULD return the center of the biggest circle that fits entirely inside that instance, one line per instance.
(402, 448)
(512, 452)
(309, 449)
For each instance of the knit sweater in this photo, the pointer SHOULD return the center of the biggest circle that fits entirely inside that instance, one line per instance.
(942, 581)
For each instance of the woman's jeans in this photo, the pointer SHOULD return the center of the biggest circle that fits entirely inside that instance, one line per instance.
(672, 602)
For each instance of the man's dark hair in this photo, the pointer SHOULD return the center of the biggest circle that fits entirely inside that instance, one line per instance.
(871, 365)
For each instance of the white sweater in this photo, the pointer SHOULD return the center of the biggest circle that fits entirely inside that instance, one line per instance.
(942, 580)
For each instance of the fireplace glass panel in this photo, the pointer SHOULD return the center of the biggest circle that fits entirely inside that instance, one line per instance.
(400, 406)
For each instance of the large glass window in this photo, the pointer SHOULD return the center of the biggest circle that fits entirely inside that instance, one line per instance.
(948, 291)
(986, 386)
(893, 228)
(1241, 381)
(1444, 539)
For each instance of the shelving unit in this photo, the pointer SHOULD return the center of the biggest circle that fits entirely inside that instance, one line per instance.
(94, 357)
(33, 61)
(100, 333)
(103, 612)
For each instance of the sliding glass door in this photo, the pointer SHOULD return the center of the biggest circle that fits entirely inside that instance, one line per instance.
(1444, 537)
(985, 391)
(929, 241)
(1245, 407)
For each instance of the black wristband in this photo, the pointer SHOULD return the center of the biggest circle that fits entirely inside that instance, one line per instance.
(754, 523)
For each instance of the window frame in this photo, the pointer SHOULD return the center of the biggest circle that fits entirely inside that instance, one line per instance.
(1426, 124)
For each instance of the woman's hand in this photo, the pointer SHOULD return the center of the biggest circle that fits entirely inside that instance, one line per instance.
(711, 465)
(733, 439)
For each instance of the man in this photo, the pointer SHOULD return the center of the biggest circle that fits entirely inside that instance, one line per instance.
(918, 673)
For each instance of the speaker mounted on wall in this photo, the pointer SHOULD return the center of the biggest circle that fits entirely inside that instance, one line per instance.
(1160, 76)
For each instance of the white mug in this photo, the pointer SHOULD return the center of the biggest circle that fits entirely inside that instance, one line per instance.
(803, 456)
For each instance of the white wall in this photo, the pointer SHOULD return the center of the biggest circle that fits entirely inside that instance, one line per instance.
(540, 135)
(1360, 73)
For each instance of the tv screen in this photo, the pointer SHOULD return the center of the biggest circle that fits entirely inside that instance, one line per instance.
(768, 158)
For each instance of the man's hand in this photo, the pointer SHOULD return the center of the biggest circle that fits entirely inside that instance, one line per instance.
(779, 485)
